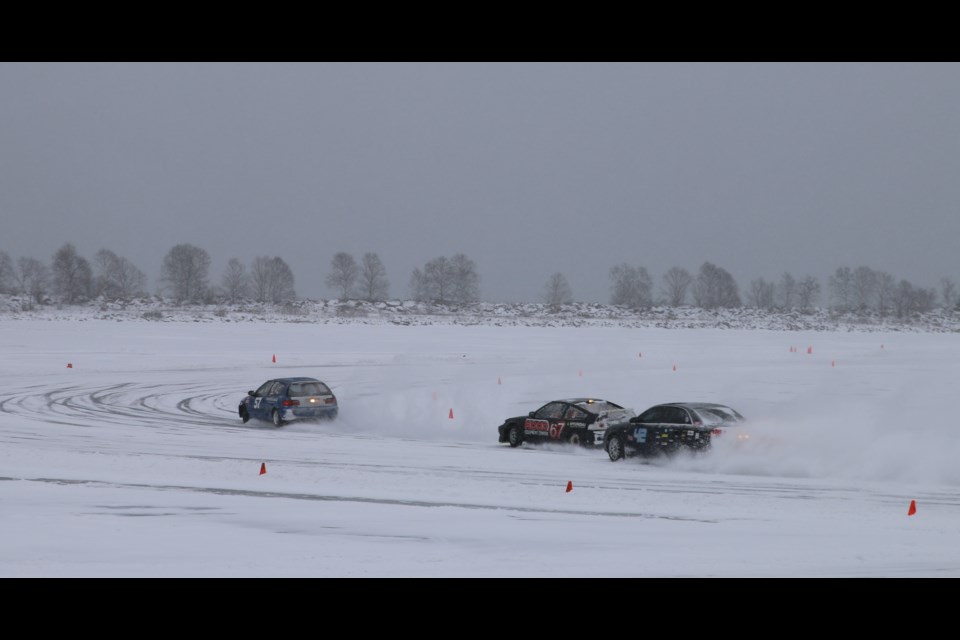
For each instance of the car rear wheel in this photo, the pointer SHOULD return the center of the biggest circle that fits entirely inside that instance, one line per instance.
(514, 436)
(277, 420)
(615, 447)
(244, 416)
(574, 438)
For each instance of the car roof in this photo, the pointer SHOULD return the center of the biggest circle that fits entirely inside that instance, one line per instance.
(694, 405)
(580, 400)
(297, 379)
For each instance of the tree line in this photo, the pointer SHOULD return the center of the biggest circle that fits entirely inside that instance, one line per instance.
(185, 276)
(859, 289)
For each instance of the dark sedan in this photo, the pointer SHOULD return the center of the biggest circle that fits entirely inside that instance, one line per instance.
(667, 428)
(580, 421)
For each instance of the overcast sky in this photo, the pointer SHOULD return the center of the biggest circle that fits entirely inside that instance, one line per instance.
(527, 168)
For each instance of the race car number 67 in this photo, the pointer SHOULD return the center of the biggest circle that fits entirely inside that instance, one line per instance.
(555, 430)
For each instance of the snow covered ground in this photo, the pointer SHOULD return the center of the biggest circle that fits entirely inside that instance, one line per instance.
(134, 463)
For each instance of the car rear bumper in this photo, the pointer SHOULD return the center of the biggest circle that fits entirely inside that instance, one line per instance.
(309, 413)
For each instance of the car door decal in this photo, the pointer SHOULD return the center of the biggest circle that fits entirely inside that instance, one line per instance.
(536, 427)
(256, 403)
(556, 430)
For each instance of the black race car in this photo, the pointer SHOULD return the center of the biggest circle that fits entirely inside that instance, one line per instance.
(667, 428)
(580, 421)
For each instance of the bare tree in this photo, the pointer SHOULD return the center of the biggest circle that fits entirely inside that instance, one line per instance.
(418, 285)
(72, 276)
(373, 278)
(466, 280)
(283, 281)
(908, 299)
(236, 281)
(32, 278)
(715, 287)
(343, 274)
(7, 273)
(761, 294)
(787, 291)
(808, 291)
(863, 287)
(631, 286)
(260, 278)
(438, 278)
(902, 298)
(117, 277)
(558, 291)
(948, 292)
(184, 272)
(886, 289)
(272, 280)
(841, 288)
(102, 262)
(676, 282)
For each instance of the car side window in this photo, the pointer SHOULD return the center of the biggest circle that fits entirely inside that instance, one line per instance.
(652, 415)
(573, 413)
(264, 388)
(550, 411)
(675, 415)
(274, 389)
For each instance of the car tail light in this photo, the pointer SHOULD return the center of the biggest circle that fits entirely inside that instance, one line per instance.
(291, 403)
(330, 401)
(716, 432)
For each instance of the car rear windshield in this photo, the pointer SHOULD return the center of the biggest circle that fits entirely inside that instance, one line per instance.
(300, 389)
(599, 405)
(717, 415)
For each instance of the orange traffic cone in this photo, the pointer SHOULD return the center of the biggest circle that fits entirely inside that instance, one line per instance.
(451, 414)
(674, 367)
(263, 468)
(569, 486)
(809, 350)
(274, 357)
(913, 508)
(833, 363)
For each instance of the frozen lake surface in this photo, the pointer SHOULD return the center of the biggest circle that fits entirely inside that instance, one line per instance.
(134, 463)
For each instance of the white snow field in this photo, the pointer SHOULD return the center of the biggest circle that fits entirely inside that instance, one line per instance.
(134, 462)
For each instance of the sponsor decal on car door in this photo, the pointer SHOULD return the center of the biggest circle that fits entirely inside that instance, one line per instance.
(535, 427)
(543, 428)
